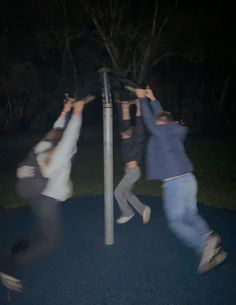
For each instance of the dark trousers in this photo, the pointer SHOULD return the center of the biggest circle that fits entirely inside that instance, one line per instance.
(43, 239)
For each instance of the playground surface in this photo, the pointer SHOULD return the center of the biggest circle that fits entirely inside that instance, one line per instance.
(147, 265)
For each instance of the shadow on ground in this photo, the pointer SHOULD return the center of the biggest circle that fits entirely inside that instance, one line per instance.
(146, 265)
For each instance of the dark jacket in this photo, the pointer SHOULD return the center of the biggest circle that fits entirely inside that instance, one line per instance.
(165, 156)
(132, 148)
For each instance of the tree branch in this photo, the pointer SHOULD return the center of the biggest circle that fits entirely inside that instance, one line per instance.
(164, 23)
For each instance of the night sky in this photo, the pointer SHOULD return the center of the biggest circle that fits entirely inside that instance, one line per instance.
(186, 52)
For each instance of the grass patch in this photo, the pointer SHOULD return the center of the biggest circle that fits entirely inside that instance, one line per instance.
(213, 160)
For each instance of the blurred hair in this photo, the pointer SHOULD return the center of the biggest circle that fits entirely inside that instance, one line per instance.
(165, 117)
(54, 136)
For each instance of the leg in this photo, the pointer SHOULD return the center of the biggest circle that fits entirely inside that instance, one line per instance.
(193, 218)
(25, 251)
(176, 206)
(48, 216)
(211, 253)
(119, 194)
(133, 175)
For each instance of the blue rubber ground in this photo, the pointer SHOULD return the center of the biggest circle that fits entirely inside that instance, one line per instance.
(146, 265)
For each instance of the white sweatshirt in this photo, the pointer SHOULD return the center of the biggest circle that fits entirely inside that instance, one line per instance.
(59, 168)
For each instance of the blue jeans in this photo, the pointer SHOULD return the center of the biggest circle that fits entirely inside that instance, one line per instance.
(180, 205)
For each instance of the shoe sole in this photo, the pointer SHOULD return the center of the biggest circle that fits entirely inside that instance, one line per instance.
(86, 100)
(11, 283)
(146, 215)
(215, 261)
(214, 245)
(124, 220)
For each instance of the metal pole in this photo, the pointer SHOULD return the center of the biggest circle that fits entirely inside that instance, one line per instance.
(108, 157)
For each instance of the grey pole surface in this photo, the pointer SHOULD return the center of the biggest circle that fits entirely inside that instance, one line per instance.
(108, 157)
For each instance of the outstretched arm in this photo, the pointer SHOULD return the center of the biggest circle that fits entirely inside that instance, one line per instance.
(146, 111)
(60, 123)
(156, 106)
(68, 144)
(139, 128)
(72, 132)
(124, 115)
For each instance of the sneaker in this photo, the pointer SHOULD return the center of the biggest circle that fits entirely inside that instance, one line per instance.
(130, 102)
(146, 214)
(11, 282)
(210, 250)
(130, 88)
(215, 261)
(124, 219)
(89, 98)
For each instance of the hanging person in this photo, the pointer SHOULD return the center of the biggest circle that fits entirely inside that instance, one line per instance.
(167, 161)
(132, 138)
(44, 180)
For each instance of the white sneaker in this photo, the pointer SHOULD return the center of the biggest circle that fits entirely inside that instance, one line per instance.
(11, 282)
(215, 261)
(124, 219)
(146, 214)
(209, 251)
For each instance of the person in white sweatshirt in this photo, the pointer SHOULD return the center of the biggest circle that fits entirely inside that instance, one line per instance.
(53, 155)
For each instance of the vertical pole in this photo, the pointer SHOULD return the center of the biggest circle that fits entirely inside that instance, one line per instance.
(108, 157)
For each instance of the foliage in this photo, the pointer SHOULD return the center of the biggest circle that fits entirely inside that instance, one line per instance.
(132, 41)
(183, 49)
(20, 94)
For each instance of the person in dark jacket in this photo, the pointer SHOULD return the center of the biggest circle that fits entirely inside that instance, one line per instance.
(167, 161)
(132, 149)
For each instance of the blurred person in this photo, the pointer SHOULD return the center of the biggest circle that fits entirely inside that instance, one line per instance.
(44, 179)
(132, 150)
(167, 161)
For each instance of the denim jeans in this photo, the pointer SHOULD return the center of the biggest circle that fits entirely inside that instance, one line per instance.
(180, 205)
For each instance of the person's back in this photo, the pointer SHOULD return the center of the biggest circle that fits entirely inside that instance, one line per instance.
(166, 152)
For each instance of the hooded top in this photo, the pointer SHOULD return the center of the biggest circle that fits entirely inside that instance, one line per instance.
(165, 156)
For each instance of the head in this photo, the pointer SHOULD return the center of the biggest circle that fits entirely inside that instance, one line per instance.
(50, 141)
(127, 133)
(164, 118)
(54, 136)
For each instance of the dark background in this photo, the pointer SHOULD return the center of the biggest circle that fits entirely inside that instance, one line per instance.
(184, 49)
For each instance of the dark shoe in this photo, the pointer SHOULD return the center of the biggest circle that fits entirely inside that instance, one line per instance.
(19, 246)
